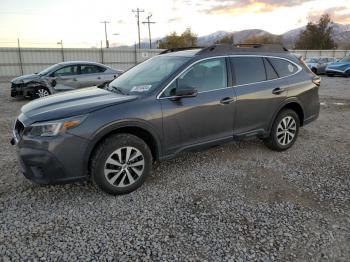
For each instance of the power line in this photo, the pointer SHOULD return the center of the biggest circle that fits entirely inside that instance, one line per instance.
(148, 22)
(106, 22)
(138, 11)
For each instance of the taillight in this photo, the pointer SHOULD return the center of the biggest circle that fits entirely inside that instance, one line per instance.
(316, 80)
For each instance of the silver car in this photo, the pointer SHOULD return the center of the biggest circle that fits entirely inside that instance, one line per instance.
(63, 77)
(318, 64)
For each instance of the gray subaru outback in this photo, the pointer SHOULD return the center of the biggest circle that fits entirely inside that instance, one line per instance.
(179, 100)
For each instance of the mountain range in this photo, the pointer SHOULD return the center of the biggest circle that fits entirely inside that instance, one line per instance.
(341, 35)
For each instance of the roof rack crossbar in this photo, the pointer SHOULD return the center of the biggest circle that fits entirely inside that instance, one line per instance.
(177, 49)
(220, 48)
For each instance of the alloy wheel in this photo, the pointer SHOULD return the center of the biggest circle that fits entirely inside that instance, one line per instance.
(124, 166)
(286, 130)
(42, 92)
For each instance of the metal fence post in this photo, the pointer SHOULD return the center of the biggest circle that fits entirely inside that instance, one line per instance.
(20, 56)
(101, 53)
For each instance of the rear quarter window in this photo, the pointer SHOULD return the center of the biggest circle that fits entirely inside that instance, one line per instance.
(283, 67)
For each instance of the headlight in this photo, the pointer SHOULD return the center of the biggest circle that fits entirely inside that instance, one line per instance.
(54, 128)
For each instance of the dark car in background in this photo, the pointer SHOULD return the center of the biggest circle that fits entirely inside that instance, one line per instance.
(62, 77)
(318, 64)
(342, 67)
(173, 102)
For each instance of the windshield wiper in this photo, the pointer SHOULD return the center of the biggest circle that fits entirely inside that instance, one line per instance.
(118, 89)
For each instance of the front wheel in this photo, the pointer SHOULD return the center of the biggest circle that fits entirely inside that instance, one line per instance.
(40, 91)
(121, 164)
(284, 131)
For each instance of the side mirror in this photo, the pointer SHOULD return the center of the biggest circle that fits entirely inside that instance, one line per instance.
(183, 91)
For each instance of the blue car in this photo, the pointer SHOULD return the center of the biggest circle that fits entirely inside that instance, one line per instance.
(341, 67)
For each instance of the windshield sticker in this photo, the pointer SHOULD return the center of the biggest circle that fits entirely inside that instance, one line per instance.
(143, 88)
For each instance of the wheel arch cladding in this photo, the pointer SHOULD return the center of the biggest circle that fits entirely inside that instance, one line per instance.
(140, 132)
(296, 107)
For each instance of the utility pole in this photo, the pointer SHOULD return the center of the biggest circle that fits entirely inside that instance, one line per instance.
(138, 11)
(149, 29)
(106, 22)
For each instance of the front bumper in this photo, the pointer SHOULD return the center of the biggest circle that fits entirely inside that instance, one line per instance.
(52, 160)
(336, 71)
(16, 90)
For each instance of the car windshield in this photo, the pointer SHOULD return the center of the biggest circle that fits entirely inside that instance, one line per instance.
(312, 60)
(48, 70)
(345, 59)
(148, 75)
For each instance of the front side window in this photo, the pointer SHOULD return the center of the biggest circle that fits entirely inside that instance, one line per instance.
(248, 69)
(283, 67)
(204, 76)
(91, 69)
(148, 75)
(67, 71)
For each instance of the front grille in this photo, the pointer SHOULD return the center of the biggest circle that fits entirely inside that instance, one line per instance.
(19, 128)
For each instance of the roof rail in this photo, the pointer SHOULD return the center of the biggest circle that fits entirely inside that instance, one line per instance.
(177, 49)
(221, 48)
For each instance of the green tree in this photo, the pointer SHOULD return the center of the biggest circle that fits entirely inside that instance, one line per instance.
(317, 35)
(186, 39)
(227, 39)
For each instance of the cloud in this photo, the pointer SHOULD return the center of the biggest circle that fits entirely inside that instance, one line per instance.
(174, 19)
(340, 14)
(259, 6)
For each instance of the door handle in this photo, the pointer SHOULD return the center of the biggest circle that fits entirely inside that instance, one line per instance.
(99, 77)
(74, 79)
(278, 90)
(227, 100)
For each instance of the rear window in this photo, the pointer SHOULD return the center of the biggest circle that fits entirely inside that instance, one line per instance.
(283, 67)
(248, 69)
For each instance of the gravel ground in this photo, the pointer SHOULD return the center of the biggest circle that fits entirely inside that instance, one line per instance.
(238, 202)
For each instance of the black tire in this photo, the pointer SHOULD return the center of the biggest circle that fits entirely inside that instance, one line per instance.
(314, 70)
(272, 141)
(330, 75)
(106, 150)
(39, 91)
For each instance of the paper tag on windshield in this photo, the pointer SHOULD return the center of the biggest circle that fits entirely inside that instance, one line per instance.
(143, 88)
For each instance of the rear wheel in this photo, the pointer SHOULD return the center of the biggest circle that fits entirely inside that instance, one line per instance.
(314, 70)
(121, 164)
(40, 91)
(284, 131)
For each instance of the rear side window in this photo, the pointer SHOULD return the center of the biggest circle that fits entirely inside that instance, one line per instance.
(91, 69)
(270, 71)
(283, 67)
(248, 69)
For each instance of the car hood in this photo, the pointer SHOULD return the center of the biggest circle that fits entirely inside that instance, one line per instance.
(339, 64)
(73, 103)
(25, 78)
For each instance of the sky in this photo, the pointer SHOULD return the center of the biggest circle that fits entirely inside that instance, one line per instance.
(40, 23)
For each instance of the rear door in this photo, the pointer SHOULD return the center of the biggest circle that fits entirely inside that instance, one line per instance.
(260, 89)
(204, 118)
(92, 75)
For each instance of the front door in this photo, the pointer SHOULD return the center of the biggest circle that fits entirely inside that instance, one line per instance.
(208, 116)
(66, 78)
